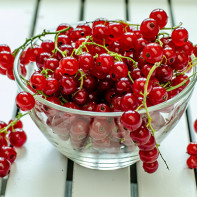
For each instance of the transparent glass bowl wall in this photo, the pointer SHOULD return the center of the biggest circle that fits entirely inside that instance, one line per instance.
(97, 140)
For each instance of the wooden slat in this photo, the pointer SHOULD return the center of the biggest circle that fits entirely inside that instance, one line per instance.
(179, 180)
(87, 182)
(95, 183)
(15, 23)
(40, 169)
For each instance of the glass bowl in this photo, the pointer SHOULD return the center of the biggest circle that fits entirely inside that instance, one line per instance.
(97, 140)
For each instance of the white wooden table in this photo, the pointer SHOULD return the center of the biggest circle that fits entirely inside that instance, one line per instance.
(40, 170)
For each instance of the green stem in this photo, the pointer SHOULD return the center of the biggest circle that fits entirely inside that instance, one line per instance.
(18, 117)
(129, 75)
(28, 40)
(56, 47)
(157, 64)
(171, 28)
(180, 84)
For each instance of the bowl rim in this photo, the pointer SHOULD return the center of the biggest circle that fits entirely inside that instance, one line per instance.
(157, 107)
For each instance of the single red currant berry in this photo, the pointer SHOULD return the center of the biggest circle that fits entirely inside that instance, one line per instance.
(149, 28)
(105, 84)
(6, 60)
(164, 73)
(141, 135)
(148, 145)
(158, 95)
(38, 81)
(86, 61)
(140, 43)
(51, 87)
(48, 46)
(100, 33)
(127, 41)
(63, 39)
(41, 58)
(17, 138)
(64, 26)
(138, 86)
(76, 34)
(86, 28)
(170, 55)
(187, 47)
(69, 65)
(179, 36)
(160, 16)
(123, 86)
(119, 70)
(150, 167)
(51, 64)
(131, 120)
(35, 51)
(90, 83)
(152, 53)
(149, 156)
(146, 69)
(68, 85)
(129, 102)
(4, 166)
(80, 97)
(102, 107)
(136, 73)
(192, 148)
(66, 48)
(104, 63)
(116, 31)
(195, 126)
(192, 161)
(115, 104)
(181, 61)
(8, 153)
(25, 101)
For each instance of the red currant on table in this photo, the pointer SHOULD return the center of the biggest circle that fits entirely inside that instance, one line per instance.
(8, 153)
(17, 138)
(4, 166)
(192, 148)
(192, 161)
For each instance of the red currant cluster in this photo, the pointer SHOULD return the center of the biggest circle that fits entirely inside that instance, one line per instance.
(11, 135)
(192, 151)
(109, 66)
(6, 61)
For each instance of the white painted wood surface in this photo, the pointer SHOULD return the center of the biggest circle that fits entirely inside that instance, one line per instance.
(40, 170)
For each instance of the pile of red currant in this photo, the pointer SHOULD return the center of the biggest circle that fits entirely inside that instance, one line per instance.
(12, 135)
(108, 66)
